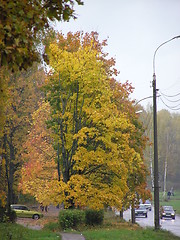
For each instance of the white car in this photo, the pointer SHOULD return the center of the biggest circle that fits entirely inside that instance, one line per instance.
(141, 211)
(147, 204)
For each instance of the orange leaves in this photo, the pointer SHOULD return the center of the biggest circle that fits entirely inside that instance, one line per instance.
(39, 168)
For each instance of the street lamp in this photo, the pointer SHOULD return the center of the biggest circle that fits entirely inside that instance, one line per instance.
(156, 172)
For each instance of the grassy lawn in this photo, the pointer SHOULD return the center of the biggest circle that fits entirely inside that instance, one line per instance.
(128, 234)
(119, 231)
(17, 232)
(115, 229)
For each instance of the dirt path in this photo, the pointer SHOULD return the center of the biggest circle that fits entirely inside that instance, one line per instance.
(72, 236)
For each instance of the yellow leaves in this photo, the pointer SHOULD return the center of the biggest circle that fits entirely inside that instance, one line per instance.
(93, 137)
(85, 133)
(72, 65)
(83, 191)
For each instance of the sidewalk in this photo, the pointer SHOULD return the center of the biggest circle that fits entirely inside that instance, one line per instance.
(72, 236)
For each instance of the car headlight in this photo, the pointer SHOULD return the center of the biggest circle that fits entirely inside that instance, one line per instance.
(172, 213)
(164, 213)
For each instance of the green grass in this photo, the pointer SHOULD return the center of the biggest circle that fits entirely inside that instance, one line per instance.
(116, 229)
(127, 234)
(16, 232)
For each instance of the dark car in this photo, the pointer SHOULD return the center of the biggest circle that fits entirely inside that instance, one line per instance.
(167, 212)
(141, 211)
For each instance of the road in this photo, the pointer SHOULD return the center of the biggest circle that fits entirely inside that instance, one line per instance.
(167, 224)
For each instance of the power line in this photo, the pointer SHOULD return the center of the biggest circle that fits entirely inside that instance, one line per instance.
(174, 108)
(171, 95)
(172, 101)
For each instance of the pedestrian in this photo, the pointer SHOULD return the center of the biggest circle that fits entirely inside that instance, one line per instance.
(46, 208)
(169, 194)
(42, 207)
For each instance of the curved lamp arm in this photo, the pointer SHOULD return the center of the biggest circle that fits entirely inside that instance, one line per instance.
(158, 48)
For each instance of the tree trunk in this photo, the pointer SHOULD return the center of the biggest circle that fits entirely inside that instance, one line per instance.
(151, 168)
(165, 166)
(165, 177)
(133, 220)
(121, 213)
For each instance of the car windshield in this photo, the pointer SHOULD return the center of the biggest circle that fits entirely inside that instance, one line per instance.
(142, 207)
(168, 208)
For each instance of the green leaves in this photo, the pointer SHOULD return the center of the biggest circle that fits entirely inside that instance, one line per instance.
(27, 22)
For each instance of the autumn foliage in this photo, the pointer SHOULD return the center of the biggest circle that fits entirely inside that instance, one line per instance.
(23, 25)
(39, 167)
(90, 152)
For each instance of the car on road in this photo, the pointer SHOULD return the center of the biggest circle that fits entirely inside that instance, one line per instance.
(167, 212)
(148, 205)
(141, 211)
(24, 212)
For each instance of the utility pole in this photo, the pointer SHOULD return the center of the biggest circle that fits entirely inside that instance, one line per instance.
(156, 171)
(58, 152)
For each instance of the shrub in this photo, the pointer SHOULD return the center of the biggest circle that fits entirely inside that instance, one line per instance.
(2, 213)
(94, 217)
(7, 215)
(71, 218)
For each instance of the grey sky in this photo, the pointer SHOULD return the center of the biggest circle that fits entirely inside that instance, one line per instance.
(135, 28)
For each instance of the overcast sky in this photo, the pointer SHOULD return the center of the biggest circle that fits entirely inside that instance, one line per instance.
(134, 29)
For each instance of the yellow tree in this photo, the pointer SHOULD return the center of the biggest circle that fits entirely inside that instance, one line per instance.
(92, 137)
(94, 131)
(137, 170)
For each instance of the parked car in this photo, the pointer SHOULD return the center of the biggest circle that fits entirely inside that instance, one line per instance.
(167, 212)
(141, 211)
(24, 212)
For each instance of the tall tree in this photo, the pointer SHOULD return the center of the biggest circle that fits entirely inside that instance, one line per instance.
(93, 137)
(22, 100)
(168, 142)
(39, 158)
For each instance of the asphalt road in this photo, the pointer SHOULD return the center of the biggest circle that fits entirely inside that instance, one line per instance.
(167, 224)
